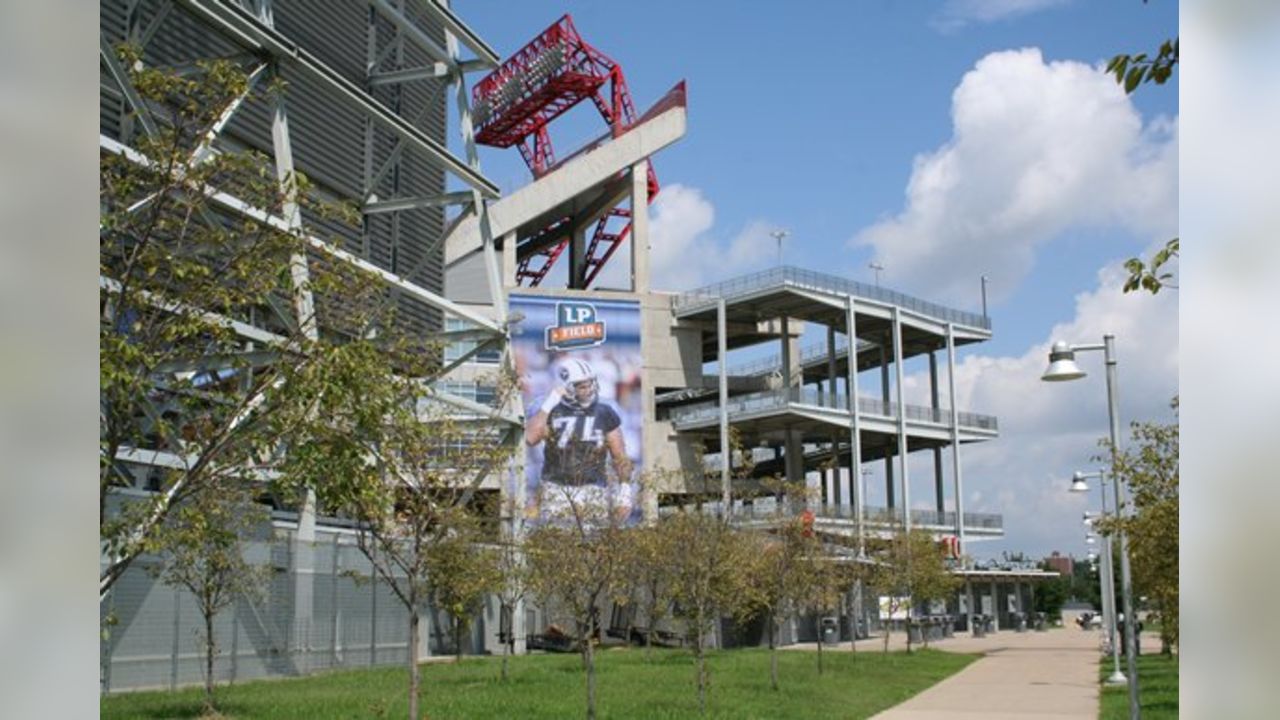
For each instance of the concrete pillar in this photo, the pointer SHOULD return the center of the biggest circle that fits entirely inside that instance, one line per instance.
(640, 227)
(787, 360)
(955, 440)
(995, 604)
(831, 366)
(889, 494)
(509, 262)
(578, 257)
(903, 448)
(722, 357)
(855, 438)
(938, 493)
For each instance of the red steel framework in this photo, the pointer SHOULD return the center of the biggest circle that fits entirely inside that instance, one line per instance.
(513, 106)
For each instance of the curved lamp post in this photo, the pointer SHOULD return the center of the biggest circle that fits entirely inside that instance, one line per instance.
(1063, 367)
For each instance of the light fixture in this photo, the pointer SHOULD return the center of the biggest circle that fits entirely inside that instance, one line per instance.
(1091, 538)
(1079, 484)
(1062, 364)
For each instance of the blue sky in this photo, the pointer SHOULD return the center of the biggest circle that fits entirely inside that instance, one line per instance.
(944, 140)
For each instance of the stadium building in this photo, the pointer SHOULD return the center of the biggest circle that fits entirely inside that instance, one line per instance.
(373, 92)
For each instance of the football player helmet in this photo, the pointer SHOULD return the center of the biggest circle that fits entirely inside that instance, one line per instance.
(579, 381)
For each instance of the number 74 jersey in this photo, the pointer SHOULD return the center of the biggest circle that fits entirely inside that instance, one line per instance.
(575, 452)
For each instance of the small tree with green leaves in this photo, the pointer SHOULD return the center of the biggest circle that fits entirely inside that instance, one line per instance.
(709, 574)
(204, 553)
(577, 561)
(909, 569)
(463, 569)
(1149, 468)
(786, 562)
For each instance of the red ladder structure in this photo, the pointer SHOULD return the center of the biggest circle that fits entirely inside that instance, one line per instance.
(513, 106)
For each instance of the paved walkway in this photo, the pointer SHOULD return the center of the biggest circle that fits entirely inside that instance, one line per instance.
(1043, 675)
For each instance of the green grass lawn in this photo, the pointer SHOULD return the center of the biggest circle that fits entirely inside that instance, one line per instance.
(1157, 687)
(553, 686)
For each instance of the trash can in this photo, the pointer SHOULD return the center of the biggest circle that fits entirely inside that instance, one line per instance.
(1020, 622)
(978, 625)
(830, 631)
(1042, 622)
(914, 632)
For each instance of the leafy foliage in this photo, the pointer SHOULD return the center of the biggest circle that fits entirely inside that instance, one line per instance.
(1150, 470)
(1152, 277)
(1134, 70)
(204, 553)
(910, 565)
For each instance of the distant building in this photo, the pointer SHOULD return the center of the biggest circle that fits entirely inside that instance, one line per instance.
(1063, 564)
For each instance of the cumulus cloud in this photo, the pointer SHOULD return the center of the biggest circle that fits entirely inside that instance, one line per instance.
(957, 14)
(1049, 430)
(1037, 149)
(685, 253)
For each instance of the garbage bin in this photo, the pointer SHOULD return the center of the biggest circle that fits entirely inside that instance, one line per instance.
(914, 632)
(1042, 622)
(830, 631)
(978, 625)
(1020, 622)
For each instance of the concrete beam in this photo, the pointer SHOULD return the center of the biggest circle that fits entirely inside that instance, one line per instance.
(577, 176)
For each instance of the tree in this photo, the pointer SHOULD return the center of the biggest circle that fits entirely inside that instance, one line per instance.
(708, 579)
(577, 561)
(784, 567)
(1149, 467)
(827, 581)
(650, 573)
(462, 571)
(1132, 71)
(204, 550)
(1052, 594)
(179, 281)
(513, 577)
(910, 569)
(377, 445)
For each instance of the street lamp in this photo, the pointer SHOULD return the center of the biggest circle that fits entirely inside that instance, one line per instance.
(1063, 367)
(779, 235)
(1108, 575)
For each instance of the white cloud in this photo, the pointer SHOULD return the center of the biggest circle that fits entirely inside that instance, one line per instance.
(1049, 430)
(1037, 149)
(958, 13)
(685, 253)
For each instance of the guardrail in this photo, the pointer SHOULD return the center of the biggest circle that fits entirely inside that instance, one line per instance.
(780, 399)
(880, 516)
(703, 297)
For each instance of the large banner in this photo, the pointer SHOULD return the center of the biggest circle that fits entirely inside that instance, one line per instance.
(579, 365)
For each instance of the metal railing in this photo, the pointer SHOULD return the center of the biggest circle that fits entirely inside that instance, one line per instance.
(780, 399)
(879, 516)
(701, 298)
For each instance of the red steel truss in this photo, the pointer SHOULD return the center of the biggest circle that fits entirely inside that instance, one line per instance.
(513, 106)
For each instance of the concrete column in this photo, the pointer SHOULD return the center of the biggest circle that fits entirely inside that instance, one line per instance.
(786, 353)
(722, 357)
(995, 604)
(889, 494)
(855, 438)
(640, 227)
(578, 257)
(938, 493)
(955, 440)
(831, 366)
(902, 418)
(509, 262)
(970, 611)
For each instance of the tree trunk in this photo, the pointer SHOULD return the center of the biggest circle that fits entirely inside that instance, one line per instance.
(457, 640)
(817, 624)
(773, 652)
(588, 657)
(908, 632)
(209, 650)
(648, 631)
(886, 627)
(414, 677)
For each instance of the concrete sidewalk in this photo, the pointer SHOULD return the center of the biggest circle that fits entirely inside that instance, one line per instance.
(1050, 674)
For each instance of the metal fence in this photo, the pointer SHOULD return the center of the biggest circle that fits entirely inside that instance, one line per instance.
(704, 297)
(779, 400)
(322, 610)
(766, 509)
